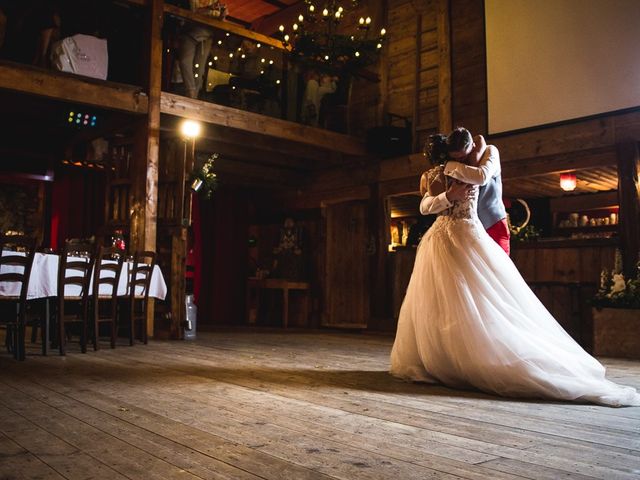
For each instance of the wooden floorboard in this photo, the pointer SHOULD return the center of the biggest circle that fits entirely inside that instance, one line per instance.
(272, 404)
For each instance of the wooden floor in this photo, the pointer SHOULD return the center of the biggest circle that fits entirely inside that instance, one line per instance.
(289, 405)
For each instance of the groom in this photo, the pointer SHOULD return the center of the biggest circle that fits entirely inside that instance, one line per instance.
(487, 174)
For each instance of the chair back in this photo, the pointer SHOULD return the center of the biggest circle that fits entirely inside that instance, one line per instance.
(107, 272)
(16, 261)
(140, 275)
(75, 267)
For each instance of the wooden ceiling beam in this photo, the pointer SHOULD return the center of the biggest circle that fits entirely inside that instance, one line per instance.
(259, 124)
(579, 160)
(275, 3)
(72, 88)
(278, 151)
(252, 155)
(224, 26)
(266, 175)
(287, 16)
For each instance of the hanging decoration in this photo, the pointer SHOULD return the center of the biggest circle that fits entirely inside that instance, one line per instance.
(203, 180)
(317, 41)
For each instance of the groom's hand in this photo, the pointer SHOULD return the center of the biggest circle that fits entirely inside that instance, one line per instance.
(458, 191)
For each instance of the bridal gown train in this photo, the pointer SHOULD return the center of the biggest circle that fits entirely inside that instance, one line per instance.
(469, 320)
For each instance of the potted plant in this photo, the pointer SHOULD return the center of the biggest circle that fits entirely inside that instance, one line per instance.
(616, 314)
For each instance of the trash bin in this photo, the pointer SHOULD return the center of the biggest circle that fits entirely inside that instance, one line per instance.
(191, 318)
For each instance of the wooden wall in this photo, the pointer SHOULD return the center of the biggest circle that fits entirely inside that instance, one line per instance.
(415, 79)
(468, 65)
(411, 60)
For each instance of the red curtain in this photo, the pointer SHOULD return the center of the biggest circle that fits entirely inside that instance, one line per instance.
(77, 204)
(220, 228)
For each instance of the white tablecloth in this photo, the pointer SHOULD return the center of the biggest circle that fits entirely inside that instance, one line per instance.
(44, 280)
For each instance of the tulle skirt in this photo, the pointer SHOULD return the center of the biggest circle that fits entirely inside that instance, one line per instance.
(469, 320)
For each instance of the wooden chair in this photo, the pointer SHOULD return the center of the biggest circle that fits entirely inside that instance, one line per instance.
(74, 276)
(105, 305)
(138, 285)
(16, 260)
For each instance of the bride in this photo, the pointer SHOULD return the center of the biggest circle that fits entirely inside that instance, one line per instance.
(469, 320)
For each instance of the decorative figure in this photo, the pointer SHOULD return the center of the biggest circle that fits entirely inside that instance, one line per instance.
(288, 254)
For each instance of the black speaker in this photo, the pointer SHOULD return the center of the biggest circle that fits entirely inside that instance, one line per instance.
(390, 141)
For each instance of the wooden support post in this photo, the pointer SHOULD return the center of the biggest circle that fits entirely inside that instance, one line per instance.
(377, 252)
(629, 200)
(144, 173)
(383, 85)
(416, 84)
(444, 67)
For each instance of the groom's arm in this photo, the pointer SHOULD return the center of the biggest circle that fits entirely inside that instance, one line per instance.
(488, 168)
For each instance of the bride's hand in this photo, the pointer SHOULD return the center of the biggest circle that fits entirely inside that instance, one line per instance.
(458, 191)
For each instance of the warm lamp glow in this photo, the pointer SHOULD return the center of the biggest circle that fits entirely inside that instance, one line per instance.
(568, 182)
(190, 129)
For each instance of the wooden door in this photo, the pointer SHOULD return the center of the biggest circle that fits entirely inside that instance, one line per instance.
(346, 267)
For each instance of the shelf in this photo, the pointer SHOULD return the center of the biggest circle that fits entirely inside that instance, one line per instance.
(565, 243)
(589, 229)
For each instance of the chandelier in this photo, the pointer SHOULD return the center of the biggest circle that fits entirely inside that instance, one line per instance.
(318, 41)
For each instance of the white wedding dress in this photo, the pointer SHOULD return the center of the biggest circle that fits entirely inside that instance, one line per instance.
(469, 320)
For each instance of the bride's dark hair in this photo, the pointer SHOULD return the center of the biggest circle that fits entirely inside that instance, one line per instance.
(436, 149)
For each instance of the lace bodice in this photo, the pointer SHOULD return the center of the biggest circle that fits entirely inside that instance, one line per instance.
(466, 209)
(463, 209)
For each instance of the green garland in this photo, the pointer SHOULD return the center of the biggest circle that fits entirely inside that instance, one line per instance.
(204, 180)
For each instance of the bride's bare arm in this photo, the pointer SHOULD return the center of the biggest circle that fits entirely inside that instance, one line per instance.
(434, 199)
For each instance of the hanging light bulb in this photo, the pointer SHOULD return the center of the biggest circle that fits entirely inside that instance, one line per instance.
(568, 182)
(300, 18)
(295, 27)
(286, 38)
(361, 21)
(312, 8)
(382, 32)
(338, 14)
(325, 12)
(367, 20)
(281, 28)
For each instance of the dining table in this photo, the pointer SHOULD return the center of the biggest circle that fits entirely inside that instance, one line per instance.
(43, 283)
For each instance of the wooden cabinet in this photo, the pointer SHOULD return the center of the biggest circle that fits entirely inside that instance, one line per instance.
(565, 275)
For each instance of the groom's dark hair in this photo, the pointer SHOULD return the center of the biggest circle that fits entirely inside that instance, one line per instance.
(459, 140)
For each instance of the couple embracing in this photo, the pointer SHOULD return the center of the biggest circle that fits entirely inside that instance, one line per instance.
(468, 319)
